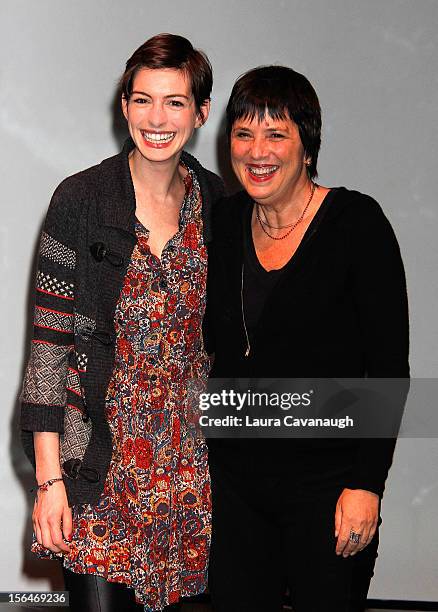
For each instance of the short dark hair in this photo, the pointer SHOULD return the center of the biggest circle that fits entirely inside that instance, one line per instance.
(171, 51)
(281, 93)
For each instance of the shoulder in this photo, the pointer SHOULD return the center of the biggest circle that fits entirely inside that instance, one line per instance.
(75, 190)
(358, 209)
(362, 221)
(88, 181)
(72, 189)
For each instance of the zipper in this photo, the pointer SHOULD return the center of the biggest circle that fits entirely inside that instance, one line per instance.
(248, 345)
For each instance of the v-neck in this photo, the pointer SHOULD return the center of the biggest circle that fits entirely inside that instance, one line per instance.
(185, 213)
(313, 225)
(258, 284)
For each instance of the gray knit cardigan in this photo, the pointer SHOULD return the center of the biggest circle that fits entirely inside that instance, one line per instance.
(86, 245)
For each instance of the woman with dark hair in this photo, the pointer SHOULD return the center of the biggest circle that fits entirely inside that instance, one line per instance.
(307, 282)
(123, 488)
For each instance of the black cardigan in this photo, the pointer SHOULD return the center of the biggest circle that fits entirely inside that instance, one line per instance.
(87, 242)
(339, 310)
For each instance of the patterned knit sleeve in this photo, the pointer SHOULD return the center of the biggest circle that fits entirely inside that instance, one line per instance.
(44, 393)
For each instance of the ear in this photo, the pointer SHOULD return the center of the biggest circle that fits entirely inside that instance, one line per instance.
(205, 112)
(125, 107)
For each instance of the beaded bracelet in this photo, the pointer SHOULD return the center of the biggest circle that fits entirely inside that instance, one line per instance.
(45, 485)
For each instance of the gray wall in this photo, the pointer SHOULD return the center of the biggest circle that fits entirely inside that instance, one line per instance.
(374, 65)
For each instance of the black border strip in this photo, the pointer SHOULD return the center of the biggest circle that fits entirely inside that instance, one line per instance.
(378, 604)
(395, 604)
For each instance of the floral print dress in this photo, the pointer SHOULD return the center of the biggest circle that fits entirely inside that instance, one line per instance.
(151, 528)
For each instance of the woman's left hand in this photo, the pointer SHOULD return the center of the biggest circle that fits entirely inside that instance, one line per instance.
(357, 512)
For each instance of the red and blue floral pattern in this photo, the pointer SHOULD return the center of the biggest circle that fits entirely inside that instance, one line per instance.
(151, 528)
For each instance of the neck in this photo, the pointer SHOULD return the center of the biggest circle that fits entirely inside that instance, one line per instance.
(288, 210)
(157, 179)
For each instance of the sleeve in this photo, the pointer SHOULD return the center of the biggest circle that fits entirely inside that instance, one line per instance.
(44, 393)
(380, 296)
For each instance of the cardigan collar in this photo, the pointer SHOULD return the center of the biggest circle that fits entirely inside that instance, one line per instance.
(116, 201)
(117, 196)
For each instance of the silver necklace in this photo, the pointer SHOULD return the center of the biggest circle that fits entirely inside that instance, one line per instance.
(292, 226)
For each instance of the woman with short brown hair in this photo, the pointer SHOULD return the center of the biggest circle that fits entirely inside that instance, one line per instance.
(123, 487)
(305, 282)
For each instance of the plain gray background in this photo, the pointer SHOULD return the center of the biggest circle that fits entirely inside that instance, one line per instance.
(374, 66)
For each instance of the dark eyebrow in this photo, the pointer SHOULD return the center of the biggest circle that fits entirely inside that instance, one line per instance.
(277, 129)
(175, 95)
(269, 129)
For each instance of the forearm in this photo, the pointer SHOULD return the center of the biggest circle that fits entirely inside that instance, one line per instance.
(52, 517)
(46, 444)
(44, 394)
(380, 296)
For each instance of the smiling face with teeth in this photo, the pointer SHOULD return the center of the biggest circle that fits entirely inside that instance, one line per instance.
(268, 159)
(161, 114)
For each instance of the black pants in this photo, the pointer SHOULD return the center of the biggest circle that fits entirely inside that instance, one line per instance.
(270, 533)
(90, 593)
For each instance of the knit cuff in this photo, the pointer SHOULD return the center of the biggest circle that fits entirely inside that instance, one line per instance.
(39, 417)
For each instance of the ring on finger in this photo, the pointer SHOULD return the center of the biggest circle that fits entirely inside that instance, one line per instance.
(354, 537)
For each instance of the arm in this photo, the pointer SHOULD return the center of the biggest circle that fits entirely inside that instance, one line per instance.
(44, 388)
(51, 512)
(379, 292)
(43, 396)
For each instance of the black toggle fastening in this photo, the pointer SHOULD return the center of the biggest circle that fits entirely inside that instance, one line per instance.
(86, 333)
(74, 470)
(89, 474)
(100, 252)
(85, 416)
(115, 259)
(101, 336)
(72, 467)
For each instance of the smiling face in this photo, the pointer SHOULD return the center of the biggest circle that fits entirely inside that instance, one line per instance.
(161, 113)
(268, 158)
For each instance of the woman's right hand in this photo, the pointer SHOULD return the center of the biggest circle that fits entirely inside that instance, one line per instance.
(52, 518)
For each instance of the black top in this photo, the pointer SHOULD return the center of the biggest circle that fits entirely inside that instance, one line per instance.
(257, 282)
(339, 310)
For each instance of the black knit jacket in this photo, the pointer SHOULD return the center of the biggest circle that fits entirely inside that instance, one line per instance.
(339, 310)
(86, 246)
